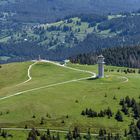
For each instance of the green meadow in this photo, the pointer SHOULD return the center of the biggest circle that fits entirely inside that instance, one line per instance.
(60, 105)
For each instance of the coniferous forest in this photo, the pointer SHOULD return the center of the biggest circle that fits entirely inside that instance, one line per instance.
(119, 56)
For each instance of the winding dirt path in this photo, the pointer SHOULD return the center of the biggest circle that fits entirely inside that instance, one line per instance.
(51, 85)
(56, 84)
(29, 74)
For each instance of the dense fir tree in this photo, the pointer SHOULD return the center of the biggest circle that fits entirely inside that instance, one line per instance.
(138, 123)
(128, 101)
(69, 136)
(33, 135)
(118, 116)
(125, 109)
(76, 133)
(88, 135)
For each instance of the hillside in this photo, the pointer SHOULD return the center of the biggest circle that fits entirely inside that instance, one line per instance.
(50, 10)
(30, 29)
(118, 31)
(68, 37)
(56, 95)
(27, 41)
(75, 34)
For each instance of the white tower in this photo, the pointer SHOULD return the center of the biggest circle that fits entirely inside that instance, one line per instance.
(101, 66)
(39, 58)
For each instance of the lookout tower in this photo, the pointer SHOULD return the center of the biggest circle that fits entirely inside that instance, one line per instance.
(39, 58)
(101, 66)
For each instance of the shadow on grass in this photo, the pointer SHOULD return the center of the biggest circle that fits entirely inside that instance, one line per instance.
(93, 78)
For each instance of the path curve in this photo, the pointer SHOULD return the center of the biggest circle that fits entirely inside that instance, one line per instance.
(58, 64)
(126, 79)
(51, 85)
(29, 74)
(123, 77)
(56, 84)
(94, 74)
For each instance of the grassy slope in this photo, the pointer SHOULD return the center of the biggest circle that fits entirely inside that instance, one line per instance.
(59, 101)
(20, 135)
(43, 74)
(12, 74)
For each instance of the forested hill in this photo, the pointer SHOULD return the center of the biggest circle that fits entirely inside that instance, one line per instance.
(65, 38)
(119, 56)
(50, 10)
(114, 32)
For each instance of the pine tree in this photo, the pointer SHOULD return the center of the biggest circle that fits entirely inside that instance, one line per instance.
(125, 109)
(128, 101)
(125, 133)
(139, 71)
(114, 98)
(48, 132)
(122, 102)
(58, 136)
(32, 135)
(101, 133)
(136, 110)
(118, 116)
(69, 136)
(117, 137)
(109, 112)
(133, 102)
(83, 113)
(109, 136)
(4, 134)
(76, 133)
(138, 123)
(42, 121)
(88, 135)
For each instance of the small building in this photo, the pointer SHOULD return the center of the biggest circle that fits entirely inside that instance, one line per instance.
(101, 66)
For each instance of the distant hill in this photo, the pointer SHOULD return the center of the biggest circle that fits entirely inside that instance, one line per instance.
(66, 38)
(50, 10)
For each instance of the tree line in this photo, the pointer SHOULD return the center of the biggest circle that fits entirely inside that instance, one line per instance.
(118, 56)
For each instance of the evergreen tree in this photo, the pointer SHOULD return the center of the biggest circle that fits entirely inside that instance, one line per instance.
(139, 71)
(42, 121)
(32, 135)
(88, 135)
(57, 136)
(138, 123)
(76, 133)
(118, 116)
(69, 136)
(125, 133)
(109, 112)
(128, 101)
(122, 102)
(117, 137)
(125, 109)
(136, 110)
